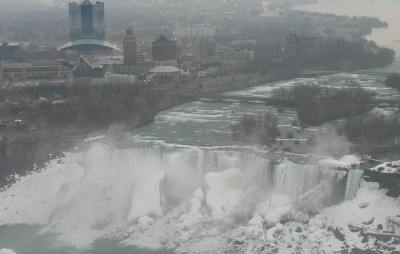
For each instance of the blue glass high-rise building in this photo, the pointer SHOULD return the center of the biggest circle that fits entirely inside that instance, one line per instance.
(86, 21)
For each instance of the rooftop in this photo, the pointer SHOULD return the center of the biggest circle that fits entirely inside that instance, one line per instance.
(164, 69)
(78, 44)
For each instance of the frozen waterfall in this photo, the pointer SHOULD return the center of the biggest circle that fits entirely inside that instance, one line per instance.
(107, 191)
(354, 178)
(294, 179)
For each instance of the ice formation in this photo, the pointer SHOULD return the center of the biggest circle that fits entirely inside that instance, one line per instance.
(338, 167)
(192, 200)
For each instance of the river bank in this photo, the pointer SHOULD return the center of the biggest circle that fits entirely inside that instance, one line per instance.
(48, 131)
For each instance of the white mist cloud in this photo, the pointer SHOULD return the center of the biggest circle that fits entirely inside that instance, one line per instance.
(329, 142)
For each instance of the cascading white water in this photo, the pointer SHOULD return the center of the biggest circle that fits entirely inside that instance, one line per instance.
(88, 195)
(182, 199)
(333, 171)
(295, 179)
(354, 178)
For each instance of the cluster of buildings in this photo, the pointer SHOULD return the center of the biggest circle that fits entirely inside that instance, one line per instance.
(164, 53)
(88, 54)
(18, 64)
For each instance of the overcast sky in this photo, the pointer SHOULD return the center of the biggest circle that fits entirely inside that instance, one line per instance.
(26, 5)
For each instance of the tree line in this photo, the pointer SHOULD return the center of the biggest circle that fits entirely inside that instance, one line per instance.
(258, 128)
(316, 104)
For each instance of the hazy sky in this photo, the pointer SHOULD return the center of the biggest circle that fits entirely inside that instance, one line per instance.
(7, 5)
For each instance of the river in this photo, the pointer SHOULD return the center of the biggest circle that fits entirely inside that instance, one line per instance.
(385, 10)
(166, 186)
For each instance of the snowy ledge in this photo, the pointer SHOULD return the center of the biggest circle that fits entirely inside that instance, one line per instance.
(344, 162)
(392, 167)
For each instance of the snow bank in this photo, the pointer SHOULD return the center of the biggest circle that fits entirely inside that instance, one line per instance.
(368, 213)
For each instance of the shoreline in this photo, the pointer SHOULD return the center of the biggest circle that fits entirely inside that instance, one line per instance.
(24, 151)
(36, 148)
(186, 97)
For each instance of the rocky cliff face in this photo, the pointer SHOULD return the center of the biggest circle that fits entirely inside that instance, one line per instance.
(389, 181)
(21, 153)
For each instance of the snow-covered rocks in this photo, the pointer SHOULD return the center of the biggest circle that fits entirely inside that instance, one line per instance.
(272, 231)
(145, 222)
(272, 211)
(388, 167)
(193, 216)
(361, 221)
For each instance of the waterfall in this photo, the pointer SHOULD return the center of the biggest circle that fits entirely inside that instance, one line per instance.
(333, 172)
(105, 188)
(354, 177)
(256, 168)
(294, 179)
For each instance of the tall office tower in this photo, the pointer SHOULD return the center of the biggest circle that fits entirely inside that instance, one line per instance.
(7, 51)
(86, 21)
(129, 48)
(164, 50)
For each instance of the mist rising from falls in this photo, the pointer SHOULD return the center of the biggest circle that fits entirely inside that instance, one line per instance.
(124, 192)
(93, 193)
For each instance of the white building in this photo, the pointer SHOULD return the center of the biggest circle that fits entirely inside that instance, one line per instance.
(234, 55)
(114, 78)
(196, 31)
